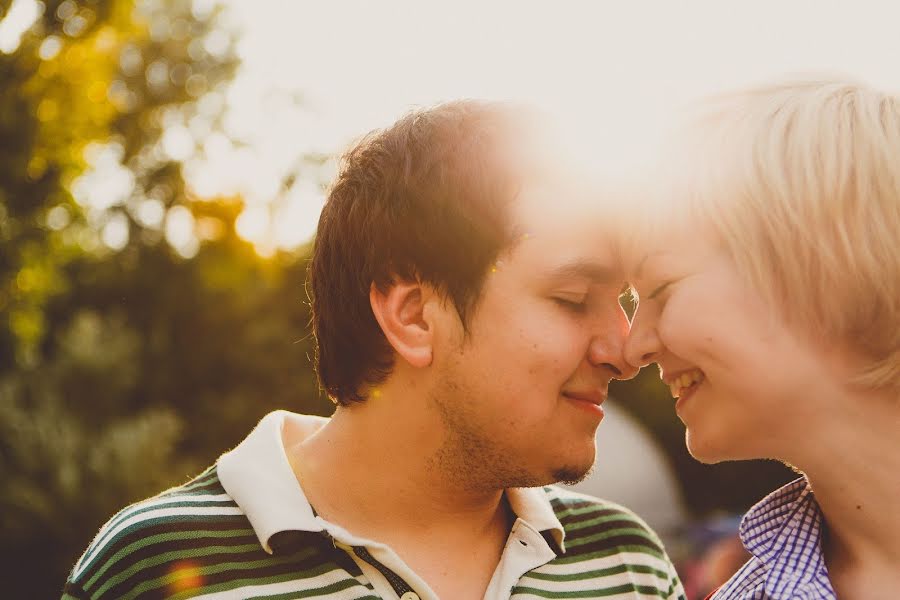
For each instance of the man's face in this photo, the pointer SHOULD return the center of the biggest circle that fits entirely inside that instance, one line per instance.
(520, 393)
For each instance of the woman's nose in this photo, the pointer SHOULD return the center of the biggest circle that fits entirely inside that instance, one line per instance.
(642, 346)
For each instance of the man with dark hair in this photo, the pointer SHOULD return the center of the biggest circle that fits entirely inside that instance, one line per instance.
(467, 323)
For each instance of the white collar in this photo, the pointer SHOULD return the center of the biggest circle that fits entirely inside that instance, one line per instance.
(259, 477)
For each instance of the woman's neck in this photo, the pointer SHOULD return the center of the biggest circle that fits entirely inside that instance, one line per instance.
(855, 476)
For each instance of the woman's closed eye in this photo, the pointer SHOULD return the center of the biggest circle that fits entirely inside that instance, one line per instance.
(657, 292)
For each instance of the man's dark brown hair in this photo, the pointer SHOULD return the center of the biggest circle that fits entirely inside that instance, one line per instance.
(423, 200)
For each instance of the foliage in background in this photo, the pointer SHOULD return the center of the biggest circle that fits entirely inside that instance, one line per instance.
(130, 357)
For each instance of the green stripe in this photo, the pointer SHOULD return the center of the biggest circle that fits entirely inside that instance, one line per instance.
(566, 559)
(609, 533)
(628, 588)
(598, 521)
(598, 573)
(568, 509)
(165, 537)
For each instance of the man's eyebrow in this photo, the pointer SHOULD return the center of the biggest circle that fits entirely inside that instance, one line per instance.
(586, 269)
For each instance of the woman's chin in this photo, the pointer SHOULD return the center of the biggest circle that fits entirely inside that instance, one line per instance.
(704, 450)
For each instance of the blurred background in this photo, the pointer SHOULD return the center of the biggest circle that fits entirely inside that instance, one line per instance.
(162, 166)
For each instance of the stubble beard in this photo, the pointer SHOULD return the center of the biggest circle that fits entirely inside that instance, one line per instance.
(572, 475)
(472, 458)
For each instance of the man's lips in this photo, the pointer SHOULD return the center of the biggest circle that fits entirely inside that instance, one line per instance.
(593, 397)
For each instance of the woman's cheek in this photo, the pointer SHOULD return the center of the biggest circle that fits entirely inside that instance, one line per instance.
(676, 327)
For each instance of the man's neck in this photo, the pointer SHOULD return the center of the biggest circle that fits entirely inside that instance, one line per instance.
(373, 474)
(358, 466)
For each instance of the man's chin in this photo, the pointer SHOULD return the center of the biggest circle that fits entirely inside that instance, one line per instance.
(571, 475)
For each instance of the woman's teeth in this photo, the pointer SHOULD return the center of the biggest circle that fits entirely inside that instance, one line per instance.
(684, 381)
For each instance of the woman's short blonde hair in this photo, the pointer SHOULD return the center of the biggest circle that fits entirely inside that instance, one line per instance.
(802, 182)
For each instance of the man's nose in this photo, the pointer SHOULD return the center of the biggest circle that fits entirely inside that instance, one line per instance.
(607, 348)
(643, 345)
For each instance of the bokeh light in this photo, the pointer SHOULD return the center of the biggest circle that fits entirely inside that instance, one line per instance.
(20, 16)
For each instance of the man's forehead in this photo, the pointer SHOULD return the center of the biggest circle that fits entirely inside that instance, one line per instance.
(550, 214)
(567, 230)
(552, 199)
(595, 269)
(569, 251)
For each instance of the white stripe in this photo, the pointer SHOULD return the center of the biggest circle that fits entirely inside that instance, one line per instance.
(160, 512)
(295, 585)
(163, 501)
(606, 562)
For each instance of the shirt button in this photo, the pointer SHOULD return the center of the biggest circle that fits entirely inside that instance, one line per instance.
(409, 596)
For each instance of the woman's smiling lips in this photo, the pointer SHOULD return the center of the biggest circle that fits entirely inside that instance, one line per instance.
(684, 384)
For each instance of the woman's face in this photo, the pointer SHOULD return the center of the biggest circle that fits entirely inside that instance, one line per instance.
(745, 385)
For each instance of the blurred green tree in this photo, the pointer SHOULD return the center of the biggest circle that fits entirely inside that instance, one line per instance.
(128, 359)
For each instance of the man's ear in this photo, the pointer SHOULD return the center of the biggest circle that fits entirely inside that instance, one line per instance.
(401, 312)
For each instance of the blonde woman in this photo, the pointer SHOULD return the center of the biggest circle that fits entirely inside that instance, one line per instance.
(770, 300)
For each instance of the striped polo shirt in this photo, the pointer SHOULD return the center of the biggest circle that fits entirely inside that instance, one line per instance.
(783, 533)
(244, 529)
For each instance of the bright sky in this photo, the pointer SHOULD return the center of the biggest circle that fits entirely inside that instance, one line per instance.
(317, 74)
(612, 71)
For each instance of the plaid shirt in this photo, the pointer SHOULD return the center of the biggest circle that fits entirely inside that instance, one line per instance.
(783, 533)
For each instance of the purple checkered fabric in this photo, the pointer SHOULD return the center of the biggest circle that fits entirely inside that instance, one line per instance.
(783, 533)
